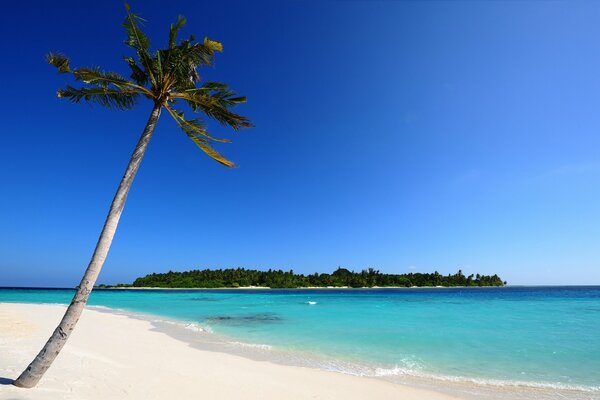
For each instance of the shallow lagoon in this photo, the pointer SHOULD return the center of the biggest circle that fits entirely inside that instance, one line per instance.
(539, 337)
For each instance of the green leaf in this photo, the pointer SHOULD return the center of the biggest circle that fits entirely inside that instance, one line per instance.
(195, 130)
(95, 76)
(137, 74)
(237, 100)
(213, 45)
(175, 28)
(213, 86)
(216, 104)
(59, 61)
(212, 153)
(139, 41)
(106, 97)
(135, 37)
(193, 126)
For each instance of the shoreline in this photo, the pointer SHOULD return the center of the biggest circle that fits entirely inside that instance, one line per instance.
(307, 288)
(194, 337)
(298, 288)
(99, 361)
(460, 386)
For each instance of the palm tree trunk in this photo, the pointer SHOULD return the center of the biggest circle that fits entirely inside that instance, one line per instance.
(34, 372)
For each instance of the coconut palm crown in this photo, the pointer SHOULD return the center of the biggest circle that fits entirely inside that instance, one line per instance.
(166, 77)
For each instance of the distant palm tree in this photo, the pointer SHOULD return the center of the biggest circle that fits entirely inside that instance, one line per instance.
(166, 77)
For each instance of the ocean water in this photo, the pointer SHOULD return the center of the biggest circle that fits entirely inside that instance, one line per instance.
(543, 342)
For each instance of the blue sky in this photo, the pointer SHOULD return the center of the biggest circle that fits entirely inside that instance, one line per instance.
(407, 136)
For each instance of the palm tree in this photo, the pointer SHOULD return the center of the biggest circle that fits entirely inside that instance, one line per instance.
(166, 77)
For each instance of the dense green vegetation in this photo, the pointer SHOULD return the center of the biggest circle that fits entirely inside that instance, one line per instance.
(239, 277)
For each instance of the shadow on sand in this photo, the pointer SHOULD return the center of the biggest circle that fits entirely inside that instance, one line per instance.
(6, 381)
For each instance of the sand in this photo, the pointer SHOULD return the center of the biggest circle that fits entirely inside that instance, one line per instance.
(113, 356)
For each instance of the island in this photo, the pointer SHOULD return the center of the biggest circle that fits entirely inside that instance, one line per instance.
(279, 279)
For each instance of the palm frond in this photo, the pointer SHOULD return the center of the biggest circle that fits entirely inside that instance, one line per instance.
(215, 103)
(138, 75)
(213, 86)
(212, 153)
(59, 61)
(195, 125)
(175, 28)
(138, 40)
(135, 37)
(202, 53)
(160, 73)
(220, 92)
(180, 62)
(196, 131)
(106, 97)
(213, 45)
(95, 76)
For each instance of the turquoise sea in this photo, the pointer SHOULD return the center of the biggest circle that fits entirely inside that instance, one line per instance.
(533, 342)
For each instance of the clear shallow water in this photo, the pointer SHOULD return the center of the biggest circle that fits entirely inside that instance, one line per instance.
(545, 337)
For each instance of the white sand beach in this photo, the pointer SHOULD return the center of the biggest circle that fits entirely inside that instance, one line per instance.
(113, 356)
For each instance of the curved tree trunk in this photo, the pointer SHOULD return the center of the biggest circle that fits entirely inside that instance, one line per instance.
(34, 372)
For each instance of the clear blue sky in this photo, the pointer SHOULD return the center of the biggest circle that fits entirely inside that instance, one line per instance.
(407, 136)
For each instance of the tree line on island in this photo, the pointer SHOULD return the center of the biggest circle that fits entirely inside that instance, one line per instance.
(341, 277)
